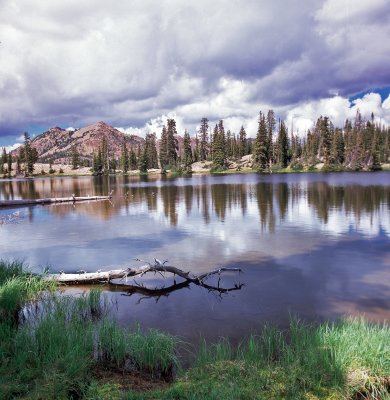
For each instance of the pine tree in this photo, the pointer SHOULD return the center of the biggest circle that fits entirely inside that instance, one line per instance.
(243, 143)
(95, 169)
(9, 164)
(187, 153)
(124, 157)
(235, 149)
(271, 123)
(384, 143)
(337, 152)
(151, 150)
(112, 163)
(374, 163)
(218, 147)
(229, 144)
(3, 160)
(172, 145)
(164, 148)
(348, 143)
(104, 156)
(133, 163)
(195, 156)
(260, 152)
(30, 155)
(74, 156)
(296, 150)
(326, 137)
(312, 145)
(204, 139)
(143, 162)
(357, 148)
(282, 146)
(18, 166)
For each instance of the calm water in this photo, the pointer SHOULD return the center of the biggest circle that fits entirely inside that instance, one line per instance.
(313, 245)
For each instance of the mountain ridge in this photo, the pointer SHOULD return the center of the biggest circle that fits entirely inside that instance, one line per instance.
(56, 143)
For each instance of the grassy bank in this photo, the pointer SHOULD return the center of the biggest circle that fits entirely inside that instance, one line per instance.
(61, 347)
(66, 347)
(18, 287)
(348, 360)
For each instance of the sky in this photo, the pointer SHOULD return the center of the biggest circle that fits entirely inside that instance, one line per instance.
(133, 64)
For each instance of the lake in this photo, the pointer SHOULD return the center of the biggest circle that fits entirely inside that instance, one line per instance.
(312, 245)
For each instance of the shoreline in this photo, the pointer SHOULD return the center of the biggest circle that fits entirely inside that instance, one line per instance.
(81, 172)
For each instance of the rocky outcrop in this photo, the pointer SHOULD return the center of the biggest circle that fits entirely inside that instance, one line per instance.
(55, 144)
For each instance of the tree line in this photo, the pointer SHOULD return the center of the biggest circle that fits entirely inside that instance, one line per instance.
(25, 160)
(168, 154)
(360, 145)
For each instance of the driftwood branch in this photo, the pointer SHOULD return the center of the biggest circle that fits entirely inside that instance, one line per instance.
(108, 277)
(52, 200)
(83, 277)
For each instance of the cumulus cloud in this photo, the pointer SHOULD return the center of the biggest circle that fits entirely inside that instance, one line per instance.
(136, 63)
(12, 147)
(303, 116)
(155, 125)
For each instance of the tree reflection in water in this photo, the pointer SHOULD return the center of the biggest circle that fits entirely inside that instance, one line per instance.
(219, 200)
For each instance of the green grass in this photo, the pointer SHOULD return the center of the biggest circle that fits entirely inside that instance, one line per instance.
(154, 351)
(330, 361)
(52, 352)
(17, 287)
(50, 355)
(10, 269)
(150, 351)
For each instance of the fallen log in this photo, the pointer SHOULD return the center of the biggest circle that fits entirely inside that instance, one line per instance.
(50, 200)
(82, 277)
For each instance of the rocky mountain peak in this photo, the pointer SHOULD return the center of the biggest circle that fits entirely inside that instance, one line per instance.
(55, 144)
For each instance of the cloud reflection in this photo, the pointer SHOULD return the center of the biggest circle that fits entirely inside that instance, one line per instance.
(201, 222)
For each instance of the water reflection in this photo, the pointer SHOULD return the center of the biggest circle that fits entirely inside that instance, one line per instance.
(275, 201)
(314, 244)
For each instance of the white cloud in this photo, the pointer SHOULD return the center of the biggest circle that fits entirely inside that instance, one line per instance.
(371, 103)
(386, 103)
(155, 125)
(344, 10)
(338, 108)
(300, 118)
(135, 63)
(12, 147)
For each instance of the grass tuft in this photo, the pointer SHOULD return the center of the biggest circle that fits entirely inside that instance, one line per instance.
(17, 287)
(152, 351)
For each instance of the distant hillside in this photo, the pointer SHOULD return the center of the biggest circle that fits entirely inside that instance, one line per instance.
(55, 144)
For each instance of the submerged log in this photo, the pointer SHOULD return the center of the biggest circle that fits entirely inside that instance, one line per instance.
(51, 200)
